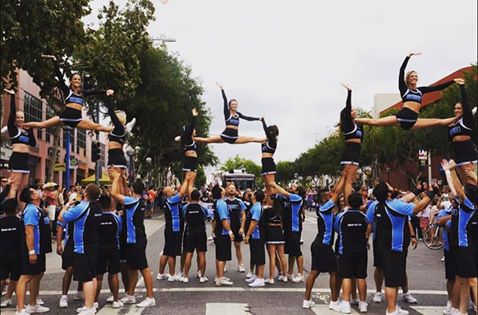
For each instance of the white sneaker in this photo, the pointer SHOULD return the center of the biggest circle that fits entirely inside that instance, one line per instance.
(22, 312)
(354, 302)
(407, 297)
(203, 279)
(172, 278)
(6, 303)
(335, 306)
(307, 304)
(392, 313)
(377, 298)
(198, 275)
(147, 302)
(447, 309)
(84, 308)
(225, 268)
(241, 268)
(79, 296)
(363, 306)
(37, 309)
(128, 299)
(401, 311)
(251, 279)
(223, 281)
(63, 301)
(110, 299)
(442, 259)
(344, 307)
(226, 278)
(162, 276)
(249, 274)
(117, 304)
(269, 281)
(282, 278)
(471, 305)
(298, 278)
(88, 311)
(40, 301)
(185, 280)
(257, 283)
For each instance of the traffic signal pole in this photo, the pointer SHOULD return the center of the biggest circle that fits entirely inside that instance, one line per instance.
(67, 156)
(98, 162)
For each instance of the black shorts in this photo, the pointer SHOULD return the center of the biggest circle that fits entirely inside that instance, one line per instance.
(108, 261)
(407, 118)
(84, 265)
(351, 154)
(11, 269)
(323, 257)
(394, 267)
(36, 269)
(450, 272)
(229, 135)
(136, 256)
(292, 244)
(465, 262)
(223, 247)
(268, 166)
(274, 235)
(353, 265)
(18, 162)
(190, 164)
(465, 152)
(377, 259)
(172, 244)
(116, 158)
(237, 237)
(258, 252)
(195, 240)
(123, 256)
(67, 259)
(70, 116)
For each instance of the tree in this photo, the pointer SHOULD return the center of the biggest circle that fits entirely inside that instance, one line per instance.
(240, 163)
(285, 171)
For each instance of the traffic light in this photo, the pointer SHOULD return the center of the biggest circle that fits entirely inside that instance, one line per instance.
(95, 151)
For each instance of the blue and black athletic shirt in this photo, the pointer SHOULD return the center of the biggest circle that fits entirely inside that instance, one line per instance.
(325, 223)
(409, 95)
(256, 213)
(230, 119)
(351, 227)
(292, 220)
(86, 218)
(110, 230)
(446, 228)
(135, 231)
(236, 207)
(371, 216)
(195, 217)
(67, 232)
(172, 214)
(221, 212)
(462, 232)
(348, 127)
(270, 146)
(18, 135)
(32, 216)
(392, 230)
(12, 237)
(466, 124)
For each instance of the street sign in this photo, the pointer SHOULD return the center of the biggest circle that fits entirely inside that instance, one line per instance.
(59, 167)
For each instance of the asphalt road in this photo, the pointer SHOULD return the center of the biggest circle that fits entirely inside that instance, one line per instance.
(425, 271)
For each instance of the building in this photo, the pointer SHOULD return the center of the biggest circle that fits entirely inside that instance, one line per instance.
(382, 101)
(28, 99)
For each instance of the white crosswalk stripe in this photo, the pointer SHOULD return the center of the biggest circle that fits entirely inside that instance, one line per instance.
(429, 310)
(227, 308)
(324, 310)
(126, 310)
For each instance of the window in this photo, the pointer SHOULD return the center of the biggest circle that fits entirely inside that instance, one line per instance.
(33, 108)
(81, 140)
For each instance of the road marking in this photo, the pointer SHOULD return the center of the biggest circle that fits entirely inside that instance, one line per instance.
(429, 310)
(324, 310)
(227, 308)
(8, 311)
(125, 310)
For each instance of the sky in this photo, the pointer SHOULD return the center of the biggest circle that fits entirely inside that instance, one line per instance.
(284, 60)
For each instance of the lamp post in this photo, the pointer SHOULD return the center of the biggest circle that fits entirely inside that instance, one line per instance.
(149, 161)
(130, 152)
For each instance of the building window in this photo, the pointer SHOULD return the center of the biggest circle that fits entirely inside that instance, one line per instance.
(81, 141)
(33, 108)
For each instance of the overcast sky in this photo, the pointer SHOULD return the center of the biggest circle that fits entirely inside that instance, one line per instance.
(284, 59)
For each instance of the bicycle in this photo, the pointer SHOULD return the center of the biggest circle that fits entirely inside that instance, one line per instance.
(432, 237)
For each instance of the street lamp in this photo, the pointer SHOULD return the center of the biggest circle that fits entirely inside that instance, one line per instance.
(149, 161)
(131, 153)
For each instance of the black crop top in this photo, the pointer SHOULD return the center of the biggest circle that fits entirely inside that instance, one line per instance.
(119, 133)
(230, 119)
(466, 124)
(348, 127)
(18, 135)
(409, 95)
(270, 145)
(271, 216)
(187, 136)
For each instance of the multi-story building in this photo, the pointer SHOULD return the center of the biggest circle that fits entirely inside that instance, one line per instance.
(28, 99)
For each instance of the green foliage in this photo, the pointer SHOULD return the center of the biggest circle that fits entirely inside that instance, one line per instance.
(285, 171)
(240, 163)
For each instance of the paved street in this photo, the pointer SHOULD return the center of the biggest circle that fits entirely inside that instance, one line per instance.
(425, 272)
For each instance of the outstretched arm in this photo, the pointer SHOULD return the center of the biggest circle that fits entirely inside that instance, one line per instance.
(226, 105)
(439, 87)
(184, 185)
(189, 128)
(13, 113)
(114, 118)
(346, 113)
(280, 190)
(402, 85)
(338, 188)
(116, 187)
(247, 117)
(467, 112)
(454, 182)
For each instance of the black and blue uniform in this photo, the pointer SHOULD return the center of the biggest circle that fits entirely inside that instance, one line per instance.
(465, 151)
(116, 156)
(136, 240)
(405, 116)
(33, 216)
(461, 235)
(18, 162)
(190, 163)
(12, 237)
(230, 135)
(195, 237)
(323, 257)
(350, 130)
(256, 240)
(292, 224)
(351, 227)
(173, 230)
(67, 256)
(109, 256)
(86, 218)
(236, 208)
(270, 146)
(222, 239)
(448, 249)
(377, 260)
